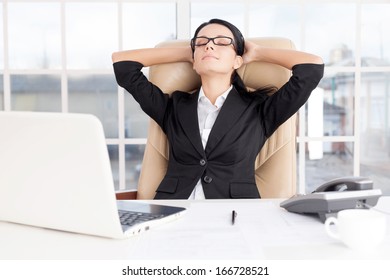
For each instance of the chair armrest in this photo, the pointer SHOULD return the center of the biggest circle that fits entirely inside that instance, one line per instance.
(126, 195)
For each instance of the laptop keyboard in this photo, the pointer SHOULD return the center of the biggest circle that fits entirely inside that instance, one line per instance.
(129, 218)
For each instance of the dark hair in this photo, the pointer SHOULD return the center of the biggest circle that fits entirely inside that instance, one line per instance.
(239, 45)
(239, 42)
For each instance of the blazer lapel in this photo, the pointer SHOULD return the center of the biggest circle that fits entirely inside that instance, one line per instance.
(188, 112)
(231, 111)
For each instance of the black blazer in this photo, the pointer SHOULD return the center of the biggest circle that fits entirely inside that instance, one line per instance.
(226, 165)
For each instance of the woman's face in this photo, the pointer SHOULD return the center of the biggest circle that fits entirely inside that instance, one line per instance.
(211, 59)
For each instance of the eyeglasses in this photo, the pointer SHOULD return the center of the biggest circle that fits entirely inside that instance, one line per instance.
(219, 41)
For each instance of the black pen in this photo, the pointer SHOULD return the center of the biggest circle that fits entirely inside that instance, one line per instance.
(234, 215)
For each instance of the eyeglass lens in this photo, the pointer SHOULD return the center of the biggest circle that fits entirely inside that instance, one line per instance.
(219, 41)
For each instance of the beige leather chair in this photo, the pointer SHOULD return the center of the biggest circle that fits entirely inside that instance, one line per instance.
(276, 163)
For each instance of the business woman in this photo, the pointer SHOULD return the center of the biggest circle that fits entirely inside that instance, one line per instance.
(216, 133)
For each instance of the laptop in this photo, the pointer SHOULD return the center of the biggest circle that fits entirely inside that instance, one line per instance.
(55, 173)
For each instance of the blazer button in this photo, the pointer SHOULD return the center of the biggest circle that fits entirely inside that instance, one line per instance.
(207, 179)
(202, 162)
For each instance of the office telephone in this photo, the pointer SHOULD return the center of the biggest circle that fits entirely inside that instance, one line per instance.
(333, 196)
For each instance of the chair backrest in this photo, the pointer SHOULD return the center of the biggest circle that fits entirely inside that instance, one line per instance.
(275, 165)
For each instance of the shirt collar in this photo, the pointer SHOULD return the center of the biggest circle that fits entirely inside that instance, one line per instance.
(220, 100)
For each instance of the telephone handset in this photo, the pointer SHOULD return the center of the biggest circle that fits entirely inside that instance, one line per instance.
(346, 184)
(333, 196)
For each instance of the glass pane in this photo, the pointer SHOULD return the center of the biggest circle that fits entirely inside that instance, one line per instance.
(91, 34)
(326, 161)
(113, 152)
(34, 35)
(36, 93)
(136, 121)
(375, 38)
(134, 156)
(1, 38)
(330, 32)
(147, 24)
(375, 129)
(97, 95)
(330, 109)
(264, 21)
(232, 12)
(1, 93)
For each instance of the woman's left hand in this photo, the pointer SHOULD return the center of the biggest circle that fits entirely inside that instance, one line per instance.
(251, 52)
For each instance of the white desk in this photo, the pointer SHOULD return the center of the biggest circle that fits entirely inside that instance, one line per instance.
(262, 230)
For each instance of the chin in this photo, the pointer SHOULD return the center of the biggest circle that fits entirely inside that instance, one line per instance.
(209, 69)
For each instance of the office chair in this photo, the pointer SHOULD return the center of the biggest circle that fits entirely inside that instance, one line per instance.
(275, 164)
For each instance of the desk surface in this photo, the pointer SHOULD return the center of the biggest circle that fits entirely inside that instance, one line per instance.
(262, 230)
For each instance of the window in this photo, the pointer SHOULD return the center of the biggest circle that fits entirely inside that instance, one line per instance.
(375, 126)
(97, 95)
(90, 36)
(36, 93)
(1, 44)
(147, 24)
(233, 12)
(34, 35)
(328, 38)
(272, 20)
(375, 43)
(325, 160)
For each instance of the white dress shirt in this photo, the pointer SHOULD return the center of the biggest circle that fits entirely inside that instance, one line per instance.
(207, 114)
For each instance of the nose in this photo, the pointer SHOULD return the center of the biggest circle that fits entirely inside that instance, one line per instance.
(210, 45)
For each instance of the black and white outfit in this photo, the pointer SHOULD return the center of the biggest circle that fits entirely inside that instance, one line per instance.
(212, 149)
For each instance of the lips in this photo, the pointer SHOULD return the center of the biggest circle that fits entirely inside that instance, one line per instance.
(207, 57)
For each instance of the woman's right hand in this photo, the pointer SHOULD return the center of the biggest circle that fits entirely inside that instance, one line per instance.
(251, 53)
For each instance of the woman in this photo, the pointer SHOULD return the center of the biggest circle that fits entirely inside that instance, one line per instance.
(212, 157)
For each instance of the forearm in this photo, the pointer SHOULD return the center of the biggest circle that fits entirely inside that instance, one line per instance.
(284, 57)
(154, 56)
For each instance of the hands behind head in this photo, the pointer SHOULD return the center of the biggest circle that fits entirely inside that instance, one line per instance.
(251, 53)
